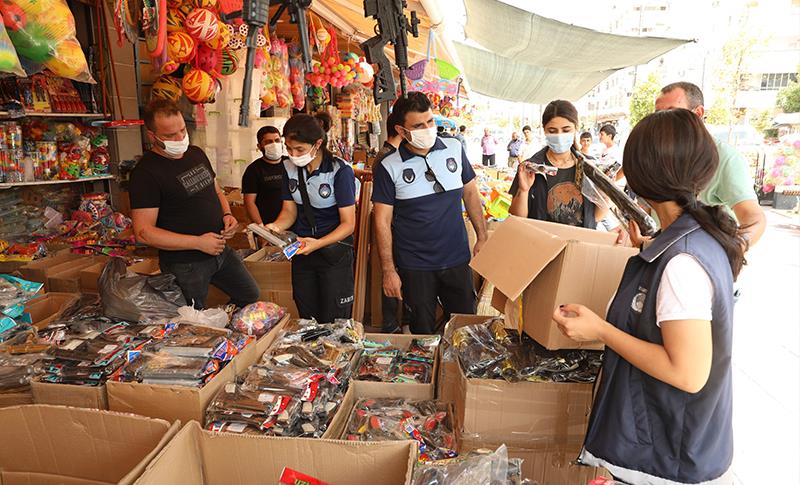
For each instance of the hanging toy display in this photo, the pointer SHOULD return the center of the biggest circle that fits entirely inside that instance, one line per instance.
(297, 76)
(198, 86)
(275, 86)
(9, 62)
(175, 19)
(43, 34)
(181, 47)
(222, 39)
(230, 63)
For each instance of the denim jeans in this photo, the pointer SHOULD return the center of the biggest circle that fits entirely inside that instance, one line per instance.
(226, 272)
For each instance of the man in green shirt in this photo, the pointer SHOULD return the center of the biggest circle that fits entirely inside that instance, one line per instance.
(731, 185)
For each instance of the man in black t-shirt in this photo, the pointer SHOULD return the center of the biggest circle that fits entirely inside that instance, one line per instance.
(262, 182)
(178, 208)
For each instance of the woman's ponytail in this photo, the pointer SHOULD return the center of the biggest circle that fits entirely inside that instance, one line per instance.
(716, 221)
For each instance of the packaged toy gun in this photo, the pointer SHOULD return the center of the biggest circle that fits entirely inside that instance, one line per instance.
(628, 209)
(393, 27)
(286, 241)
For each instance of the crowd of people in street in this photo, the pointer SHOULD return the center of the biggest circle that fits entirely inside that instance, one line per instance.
(667, 331)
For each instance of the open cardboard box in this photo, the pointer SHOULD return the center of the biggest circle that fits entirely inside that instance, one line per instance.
(49, 445)
(66, 277)
(274, 278)
(181, 402)
(447, 383)
(91, 397)
(198, 457)
(45, 308)
(541, 265)
(39, 270)
(544, 464)
(409, 390)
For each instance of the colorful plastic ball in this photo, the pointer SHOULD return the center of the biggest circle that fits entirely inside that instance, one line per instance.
(175, 19)
(207, 59)
(230, 63)
(202, 24)
(222, 39)
(68, 60)
(210, 4)
(198, 86)
(166, 87)
(180, 47)
(169, 66)
(33, 43)
(323, 36)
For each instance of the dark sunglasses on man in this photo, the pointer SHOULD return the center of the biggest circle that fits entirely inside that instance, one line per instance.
(431, 177)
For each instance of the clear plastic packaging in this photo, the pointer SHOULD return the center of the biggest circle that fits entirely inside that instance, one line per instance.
(9, 62)
(471, 469)
(258, 318)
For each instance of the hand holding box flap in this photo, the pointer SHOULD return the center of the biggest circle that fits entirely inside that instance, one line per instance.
(515, 254)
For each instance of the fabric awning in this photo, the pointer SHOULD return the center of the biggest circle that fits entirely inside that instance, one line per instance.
(502, 78)
(531, 56)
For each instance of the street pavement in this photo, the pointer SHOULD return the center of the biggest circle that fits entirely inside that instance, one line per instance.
(766, 363)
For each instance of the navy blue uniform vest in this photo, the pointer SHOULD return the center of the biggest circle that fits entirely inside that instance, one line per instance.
(642, 429)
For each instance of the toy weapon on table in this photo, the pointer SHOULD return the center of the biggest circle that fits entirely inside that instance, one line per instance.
(255, 14)
(393, 27)
(627, 208)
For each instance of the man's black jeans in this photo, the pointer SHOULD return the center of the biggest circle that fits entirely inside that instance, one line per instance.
(226, 272)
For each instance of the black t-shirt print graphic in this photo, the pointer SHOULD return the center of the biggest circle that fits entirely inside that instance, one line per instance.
(564, 198)
(183, 191)
(196, 179)
(265, 180)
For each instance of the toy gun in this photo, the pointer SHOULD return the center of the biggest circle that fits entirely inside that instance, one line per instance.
(393, 26)
(627, 208)
(255, 14)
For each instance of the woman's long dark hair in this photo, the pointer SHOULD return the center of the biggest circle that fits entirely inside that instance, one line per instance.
(306, 129)
(670, 156)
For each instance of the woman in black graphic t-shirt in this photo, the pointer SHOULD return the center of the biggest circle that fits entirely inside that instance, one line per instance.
(555, 198)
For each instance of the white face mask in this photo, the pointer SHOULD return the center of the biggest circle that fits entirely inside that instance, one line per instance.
(273, 151)
(560, 142)
(424, 138)
(302, 160)
(176, 149)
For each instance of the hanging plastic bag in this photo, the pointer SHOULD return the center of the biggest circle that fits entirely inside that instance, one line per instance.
(9, 62)
(132, 297)
(43, 33)
(297, 77)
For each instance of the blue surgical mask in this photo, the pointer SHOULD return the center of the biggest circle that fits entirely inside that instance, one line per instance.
(560, 142)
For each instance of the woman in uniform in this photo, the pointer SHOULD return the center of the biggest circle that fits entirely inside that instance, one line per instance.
(319, 206)
(663, 411)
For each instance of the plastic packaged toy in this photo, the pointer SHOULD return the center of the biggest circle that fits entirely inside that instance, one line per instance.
(257, 318)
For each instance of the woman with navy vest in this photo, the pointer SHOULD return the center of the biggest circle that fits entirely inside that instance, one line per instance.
(555, 197)
(662, 414)
(318, 206)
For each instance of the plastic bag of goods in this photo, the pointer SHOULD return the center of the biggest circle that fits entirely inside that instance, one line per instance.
(131, 297)
(43, 34)
(257, 318)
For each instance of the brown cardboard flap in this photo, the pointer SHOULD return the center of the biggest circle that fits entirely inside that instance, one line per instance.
(416, 391)
(572, 233)
(515, 254)
(28, 478)
(197, 457)
(45, 308)
(79, 446)
(69, 395)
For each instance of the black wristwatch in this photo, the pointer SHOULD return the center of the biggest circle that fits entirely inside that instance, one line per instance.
(227, 214)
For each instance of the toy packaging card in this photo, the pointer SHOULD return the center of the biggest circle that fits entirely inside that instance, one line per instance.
(293, 477)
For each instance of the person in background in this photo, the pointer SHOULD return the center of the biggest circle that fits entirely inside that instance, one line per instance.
(663, 410)
(586, 142)
(489, 147)
(529, 145)
(422, 240)
(514, 149)
(731, 185)
(262, 181)
(461, 136)
(439, 130)
(178, 207)
(555, 198)
(319, 206)
(611, 156)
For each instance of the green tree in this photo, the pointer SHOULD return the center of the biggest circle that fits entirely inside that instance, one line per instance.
(762, 121)
(643, 98)
(789, 98)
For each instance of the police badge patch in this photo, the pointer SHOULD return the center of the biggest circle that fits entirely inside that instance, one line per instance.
(452, 165)
(324, 191)
(409, 175)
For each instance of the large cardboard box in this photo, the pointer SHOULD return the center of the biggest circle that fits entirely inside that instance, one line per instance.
(180, 402)
(69, 395)
(198, 457)
(49, 445)
(545, 464)
(522, 413)
(274, 278)
(40, 269)
(389, 389)
(15, 398)
(541, 265)
(45, 308)
(66, 277)
(447, 383)
(90, 274)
